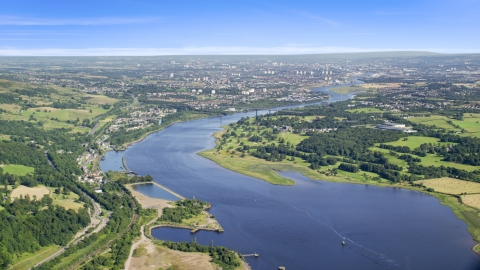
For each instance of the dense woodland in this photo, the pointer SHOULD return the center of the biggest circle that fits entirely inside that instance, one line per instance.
(30, 224)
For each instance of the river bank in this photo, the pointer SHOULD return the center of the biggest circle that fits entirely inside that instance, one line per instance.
(260, 217)
(268, 171)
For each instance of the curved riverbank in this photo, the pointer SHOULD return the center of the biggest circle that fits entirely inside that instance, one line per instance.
(291, 226)
(269, 172)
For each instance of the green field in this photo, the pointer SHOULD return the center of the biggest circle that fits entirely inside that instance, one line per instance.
(366, 110)
(392, 159)
(44, 112)
(428, 160)
(17, 169)
(67, 201)
(27, 260)
(415, 141)
(470, 123)
(439, 121)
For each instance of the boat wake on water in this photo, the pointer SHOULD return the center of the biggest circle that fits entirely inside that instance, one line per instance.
(352, 245)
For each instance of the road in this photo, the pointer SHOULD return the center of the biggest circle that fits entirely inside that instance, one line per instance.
(94, 129)
(94, 253)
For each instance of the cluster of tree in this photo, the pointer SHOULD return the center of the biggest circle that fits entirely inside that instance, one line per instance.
(135, 179)
(122, 206)
(29, 224)
(388, 171)
(400, 149)
(348, 167)
(22, 154)
(347, 142)
(8, 98)
(35, 92)
(66, 105)
(442, 171)
(409, 158)
(184, 209)
(222, 256)
(466, 151)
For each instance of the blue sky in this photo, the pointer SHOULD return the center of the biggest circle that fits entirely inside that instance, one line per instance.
(144, 27)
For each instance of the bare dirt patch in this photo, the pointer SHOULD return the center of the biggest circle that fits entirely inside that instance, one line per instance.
(451, 185)
(30, 191)
(148, 202)
(161, 257)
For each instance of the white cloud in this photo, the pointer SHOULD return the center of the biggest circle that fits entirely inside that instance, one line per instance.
(24, 21)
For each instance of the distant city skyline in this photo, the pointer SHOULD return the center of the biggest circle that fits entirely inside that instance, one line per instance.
(144, 27)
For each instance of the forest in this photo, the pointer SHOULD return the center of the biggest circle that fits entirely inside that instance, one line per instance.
(30, 224)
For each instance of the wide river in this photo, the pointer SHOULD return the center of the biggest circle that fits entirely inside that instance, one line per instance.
(301, 226)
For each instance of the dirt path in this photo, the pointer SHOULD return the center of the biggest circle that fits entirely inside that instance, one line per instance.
(142, 240)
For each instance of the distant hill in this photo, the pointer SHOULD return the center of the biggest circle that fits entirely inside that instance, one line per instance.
(101, 60)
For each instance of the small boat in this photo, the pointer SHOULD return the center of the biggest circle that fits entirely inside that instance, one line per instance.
(343, 243)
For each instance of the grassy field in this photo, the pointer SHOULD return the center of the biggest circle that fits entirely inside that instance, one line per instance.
(451, 185)
(67, 201)
(17, 169)
(44, 112)
(11, 108)
(391, 159)
(251, 166)
(434, 160)
(366, 110)
(439, 121)
(312, 117)
(415, 141)
(38, 191)
(27, 260)
(268, 171)
(99, 99)
(428, 160)
(471, 123)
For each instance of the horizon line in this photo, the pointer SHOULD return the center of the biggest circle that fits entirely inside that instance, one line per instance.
(238, 51)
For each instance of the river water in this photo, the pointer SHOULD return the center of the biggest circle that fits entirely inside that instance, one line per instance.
(301, 226)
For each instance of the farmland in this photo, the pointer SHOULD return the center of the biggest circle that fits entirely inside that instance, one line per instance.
(32, 192)
(451, 186)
